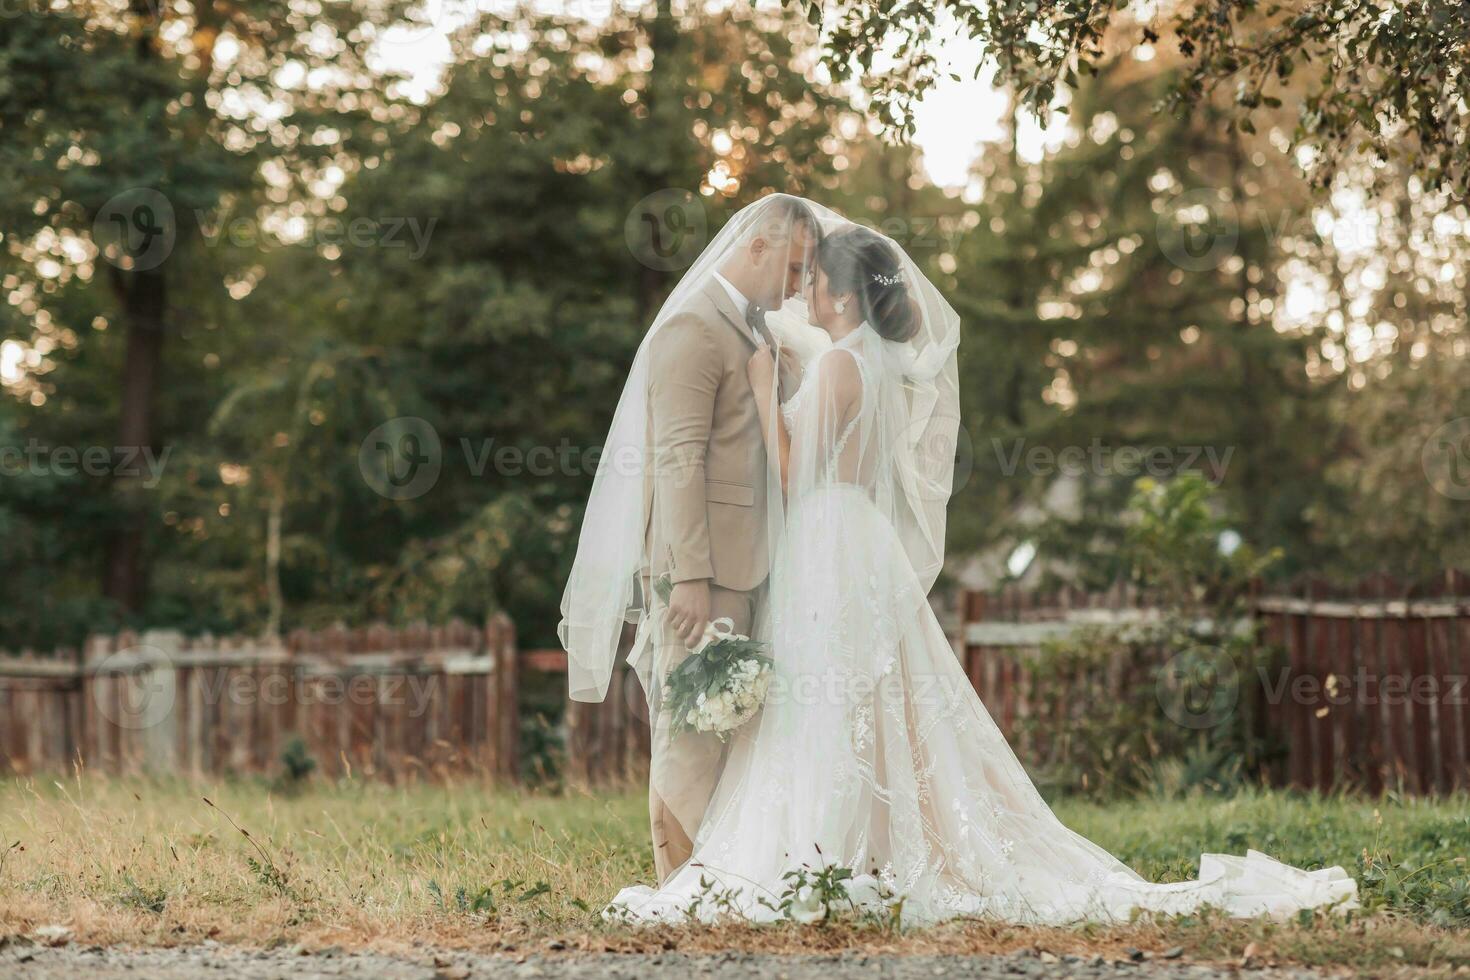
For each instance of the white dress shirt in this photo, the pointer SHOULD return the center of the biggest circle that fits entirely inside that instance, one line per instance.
(741, 304)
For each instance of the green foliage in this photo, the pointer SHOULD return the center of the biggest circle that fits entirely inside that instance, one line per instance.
(297, 765)
(479, 903)
(135, 896)
(1178, 712)
(1366, 77)
(1395, 498)
(820, 896)
(825, 888)
(281, 355)
(512, 327)
(44, 522)
(1174, 540)
(102, 100)
(269, 874)
(1095, 351)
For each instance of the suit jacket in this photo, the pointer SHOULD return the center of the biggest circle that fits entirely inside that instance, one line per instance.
(705, 493)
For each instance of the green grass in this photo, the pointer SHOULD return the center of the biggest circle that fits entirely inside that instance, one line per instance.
(1408, 855)
(357, 863)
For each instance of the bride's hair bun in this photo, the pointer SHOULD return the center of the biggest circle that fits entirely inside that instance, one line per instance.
(860, 261)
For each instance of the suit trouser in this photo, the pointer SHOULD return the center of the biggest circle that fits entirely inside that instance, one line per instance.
(684, 770)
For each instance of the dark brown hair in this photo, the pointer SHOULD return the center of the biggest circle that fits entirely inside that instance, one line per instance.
(860, 261)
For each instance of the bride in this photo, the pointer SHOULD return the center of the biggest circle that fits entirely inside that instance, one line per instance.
(872, 756)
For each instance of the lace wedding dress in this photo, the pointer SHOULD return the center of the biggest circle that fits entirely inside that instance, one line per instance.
(873, 751)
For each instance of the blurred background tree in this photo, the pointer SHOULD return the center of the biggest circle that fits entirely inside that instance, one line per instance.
(348, 251)
(1129, 279)
(1386, 78)
(120, 124)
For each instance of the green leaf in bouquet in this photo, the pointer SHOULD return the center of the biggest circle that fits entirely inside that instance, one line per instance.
(688, 670)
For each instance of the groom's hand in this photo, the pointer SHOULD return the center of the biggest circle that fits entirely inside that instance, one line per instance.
(689, 610)
(761, 369)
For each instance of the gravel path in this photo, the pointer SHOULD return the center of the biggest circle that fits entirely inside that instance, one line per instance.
(34, 962)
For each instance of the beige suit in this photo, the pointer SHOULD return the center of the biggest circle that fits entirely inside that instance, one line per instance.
(706, 501)
(706, 494)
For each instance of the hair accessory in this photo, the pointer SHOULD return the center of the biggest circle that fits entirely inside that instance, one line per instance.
(892, 280)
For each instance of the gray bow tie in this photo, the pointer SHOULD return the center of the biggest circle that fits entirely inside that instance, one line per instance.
(755, 318)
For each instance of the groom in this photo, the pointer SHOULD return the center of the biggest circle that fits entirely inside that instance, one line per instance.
(705, 498)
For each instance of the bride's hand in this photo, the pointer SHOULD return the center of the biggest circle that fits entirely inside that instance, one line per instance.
(761, 369)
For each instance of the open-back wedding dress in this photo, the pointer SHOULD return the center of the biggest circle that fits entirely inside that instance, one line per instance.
(873, 752)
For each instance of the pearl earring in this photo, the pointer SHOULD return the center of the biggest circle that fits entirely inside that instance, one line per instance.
(840, 306)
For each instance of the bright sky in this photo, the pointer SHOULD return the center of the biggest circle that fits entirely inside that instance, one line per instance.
(955, 117)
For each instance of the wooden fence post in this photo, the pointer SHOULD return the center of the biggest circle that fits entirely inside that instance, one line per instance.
(608, 742)
(503, 694)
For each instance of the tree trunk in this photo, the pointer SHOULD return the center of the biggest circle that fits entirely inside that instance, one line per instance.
(662, 98)
(1016, 296)
(1255, 487)
(143, 298)
(274, 520)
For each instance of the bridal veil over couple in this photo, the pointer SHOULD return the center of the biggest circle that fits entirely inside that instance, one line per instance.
(801, 500)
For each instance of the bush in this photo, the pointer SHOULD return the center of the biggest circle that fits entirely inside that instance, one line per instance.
(1168, 703)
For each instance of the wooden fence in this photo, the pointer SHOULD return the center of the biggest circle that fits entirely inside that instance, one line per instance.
(1363, 687)
(397, 704)
(1004, 633)
(607, 742)
(1373, 690)
(1366, 688)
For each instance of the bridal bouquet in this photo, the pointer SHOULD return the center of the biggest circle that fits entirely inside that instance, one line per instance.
(719, 686)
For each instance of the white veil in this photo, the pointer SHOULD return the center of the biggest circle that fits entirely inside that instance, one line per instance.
(687, 491)
(615, 549)
(605, 591)
(871, 750)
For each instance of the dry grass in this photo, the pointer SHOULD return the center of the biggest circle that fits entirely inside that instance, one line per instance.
(461, 866)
